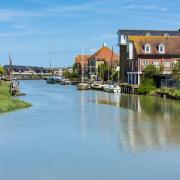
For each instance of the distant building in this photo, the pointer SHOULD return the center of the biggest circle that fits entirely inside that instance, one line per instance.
(82, 61)
(104, 55)
(25, 70)
(141, 47)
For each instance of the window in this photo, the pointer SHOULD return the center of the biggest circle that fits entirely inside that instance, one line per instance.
(167, 64)
(162, 48)
(156, 63)
(145, 62)
(147, 34)
(124, 36)
(147, 48)
(166, 34)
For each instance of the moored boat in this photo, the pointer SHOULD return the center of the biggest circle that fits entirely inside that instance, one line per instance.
(97, 85)
(53, 80)
(112, 88)
(83, 86)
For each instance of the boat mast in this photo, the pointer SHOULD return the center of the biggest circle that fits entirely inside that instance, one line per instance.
(82, 62)
(50, 59)
(10, 68)
(108, 72)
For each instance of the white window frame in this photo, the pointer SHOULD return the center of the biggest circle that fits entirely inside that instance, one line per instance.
(147, 34)
(145, 48)
(161, 46)
(166, 34)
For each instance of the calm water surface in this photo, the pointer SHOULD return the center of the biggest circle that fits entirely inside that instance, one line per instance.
(72, 135)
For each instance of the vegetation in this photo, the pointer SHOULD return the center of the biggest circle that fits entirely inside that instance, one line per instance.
(176, 71)
(148, 83)
(8, 103)
(1, 70)
(71, 75)
(104, 71)
(147, 87)
(170, 92)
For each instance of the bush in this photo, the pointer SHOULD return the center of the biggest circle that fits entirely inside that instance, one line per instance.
(147, 87)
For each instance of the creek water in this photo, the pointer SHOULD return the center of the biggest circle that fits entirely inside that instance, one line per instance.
(89, 135)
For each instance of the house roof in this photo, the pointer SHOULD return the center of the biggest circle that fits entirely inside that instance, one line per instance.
(152, 32)
(81, 58)
(172, 44)
(105, 53)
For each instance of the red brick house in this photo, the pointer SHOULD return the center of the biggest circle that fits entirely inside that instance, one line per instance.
(141, 47)
(104, 55)
(82, 61)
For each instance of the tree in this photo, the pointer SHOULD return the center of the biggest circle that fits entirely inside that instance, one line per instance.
(1, 72)
(176, 71)
(104, 72)
(148, 82)
(147, 87)
(150, 71)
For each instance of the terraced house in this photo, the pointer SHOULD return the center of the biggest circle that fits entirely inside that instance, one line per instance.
(140, 48)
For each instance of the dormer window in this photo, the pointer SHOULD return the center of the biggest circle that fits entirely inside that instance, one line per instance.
(161, 48)
(147, 34)
(166, 34)
(147, 48)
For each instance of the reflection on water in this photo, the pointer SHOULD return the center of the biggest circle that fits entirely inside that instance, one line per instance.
(150, 122)
(69, 134)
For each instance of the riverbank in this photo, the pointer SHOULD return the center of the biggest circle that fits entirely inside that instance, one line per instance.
(7, 102)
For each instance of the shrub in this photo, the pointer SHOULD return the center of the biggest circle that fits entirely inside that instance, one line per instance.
(147, 87)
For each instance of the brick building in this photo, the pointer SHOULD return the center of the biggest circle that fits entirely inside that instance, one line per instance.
(104, 55)
(139, 48)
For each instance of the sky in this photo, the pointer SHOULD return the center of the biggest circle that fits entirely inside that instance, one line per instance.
(30, 28)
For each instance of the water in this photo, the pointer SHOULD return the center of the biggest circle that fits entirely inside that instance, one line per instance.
(73, 135)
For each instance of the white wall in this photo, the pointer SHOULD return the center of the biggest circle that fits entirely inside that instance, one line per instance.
(131, 50)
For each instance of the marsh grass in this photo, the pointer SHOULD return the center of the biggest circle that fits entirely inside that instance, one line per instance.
(7, 102)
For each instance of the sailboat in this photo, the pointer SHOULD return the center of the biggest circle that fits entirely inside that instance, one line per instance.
(83, 85)
(112, 87)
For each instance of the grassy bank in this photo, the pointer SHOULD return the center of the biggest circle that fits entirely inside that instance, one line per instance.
(173, 93)
(7, 102)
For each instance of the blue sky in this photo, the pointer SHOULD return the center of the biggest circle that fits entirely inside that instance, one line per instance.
(28, 27)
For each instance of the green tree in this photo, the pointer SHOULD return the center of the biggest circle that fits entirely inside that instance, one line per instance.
(147, 87)
(104, 72)
(150, 71)
(71, 75)
(148, 82)
(1, 72)
(176, 71)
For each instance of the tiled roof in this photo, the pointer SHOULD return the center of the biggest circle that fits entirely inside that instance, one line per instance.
(152, 32)
(105, 53)
(172, 44)
(81, 58)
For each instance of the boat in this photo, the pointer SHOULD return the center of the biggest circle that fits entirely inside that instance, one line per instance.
(112, 88)
(97, 85)
(83, 86)
(64, 82)
(54, 80)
